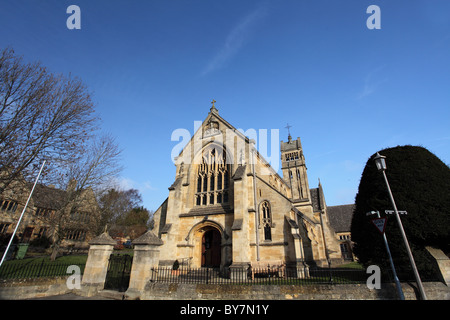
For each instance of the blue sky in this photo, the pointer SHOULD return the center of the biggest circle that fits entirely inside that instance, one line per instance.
(347, 91)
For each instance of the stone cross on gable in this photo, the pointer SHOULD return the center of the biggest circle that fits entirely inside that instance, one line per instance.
(213, 108)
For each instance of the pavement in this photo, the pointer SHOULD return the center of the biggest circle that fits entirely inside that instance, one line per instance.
(70, 296)
(103, 295)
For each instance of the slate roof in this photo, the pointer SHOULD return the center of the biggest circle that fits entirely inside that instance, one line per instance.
(48, 197)
(341, 217)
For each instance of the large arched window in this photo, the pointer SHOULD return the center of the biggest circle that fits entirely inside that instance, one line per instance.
(213, 177)
(266, 220)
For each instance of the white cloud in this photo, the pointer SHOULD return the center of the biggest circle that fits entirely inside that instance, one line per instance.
(124, 183)
(236, 39)
(371, 84)
(127, 183)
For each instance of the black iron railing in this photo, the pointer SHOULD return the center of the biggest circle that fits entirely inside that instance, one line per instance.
(37, 270)
(263, 276)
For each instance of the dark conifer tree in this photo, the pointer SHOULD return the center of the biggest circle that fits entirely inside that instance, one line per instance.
(420, 183)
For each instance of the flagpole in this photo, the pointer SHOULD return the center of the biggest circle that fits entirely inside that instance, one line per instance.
(21, 216)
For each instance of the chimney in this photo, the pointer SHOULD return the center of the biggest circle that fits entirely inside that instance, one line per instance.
(72, 185)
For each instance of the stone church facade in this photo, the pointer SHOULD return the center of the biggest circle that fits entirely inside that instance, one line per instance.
(228, 207)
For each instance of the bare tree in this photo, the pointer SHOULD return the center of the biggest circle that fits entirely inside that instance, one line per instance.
(42, 116)
(83, 179)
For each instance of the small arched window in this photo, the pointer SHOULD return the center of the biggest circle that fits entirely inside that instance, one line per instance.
(266, 220)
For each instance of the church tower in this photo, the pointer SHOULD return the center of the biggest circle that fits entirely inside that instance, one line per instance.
(294, 168)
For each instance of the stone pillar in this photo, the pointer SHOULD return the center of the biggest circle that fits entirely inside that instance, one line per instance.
(243, 222)
(146, 256)
(94, 274)
(443, 263)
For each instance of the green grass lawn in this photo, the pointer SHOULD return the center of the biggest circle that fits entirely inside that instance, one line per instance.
(33, 266)
(71, 259)
(352, 265)
(40, 267)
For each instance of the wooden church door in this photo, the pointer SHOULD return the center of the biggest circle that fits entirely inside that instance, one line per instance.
(211, 249)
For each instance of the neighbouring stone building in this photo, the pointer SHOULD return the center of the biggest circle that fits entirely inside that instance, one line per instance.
(341, 220)
(229, 207)
(40, 217)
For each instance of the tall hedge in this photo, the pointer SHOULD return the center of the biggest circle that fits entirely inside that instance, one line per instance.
(420, 183)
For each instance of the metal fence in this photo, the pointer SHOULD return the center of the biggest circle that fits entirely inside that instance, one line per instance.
(36, 270)
(260, 276)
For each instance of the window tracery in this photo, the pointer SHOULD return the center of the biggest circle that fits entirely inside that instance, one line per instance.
(212, 178)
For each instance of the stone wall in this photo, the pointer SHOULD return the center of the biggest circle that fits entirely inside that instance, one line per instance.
(38, 288)
(33, 288)
(173, 291)
(442, 262)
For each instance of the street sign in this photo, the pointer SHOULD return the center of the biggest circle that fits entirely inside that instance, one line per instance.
(380, 223)
(392, 212)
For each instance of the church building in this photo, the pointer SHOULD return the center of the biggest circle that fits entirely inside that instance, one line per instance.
(228, 207)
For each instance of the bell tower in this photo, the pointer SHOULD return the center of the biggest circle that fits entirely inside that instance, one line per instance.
(294, 167)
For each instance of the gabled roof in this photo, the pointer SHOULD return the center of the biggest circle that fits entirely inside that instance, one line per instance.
(48, 197)
(214, 113)
(341, 217)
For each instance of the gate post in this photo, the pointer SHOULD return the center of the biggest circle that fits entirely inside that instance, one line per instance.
(146, 256)
(94, 274)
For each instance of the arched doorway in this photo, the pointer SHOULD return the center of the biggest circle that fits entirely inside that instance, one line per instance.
(211, 248)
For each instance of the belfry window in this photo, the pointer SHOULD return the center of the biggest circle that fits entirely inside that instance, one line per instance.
(291, 156)
(266, 220)
(212, 178)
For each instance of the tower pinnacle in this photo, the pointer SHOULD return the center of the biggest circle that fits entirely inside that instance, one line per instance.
(289, 132)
